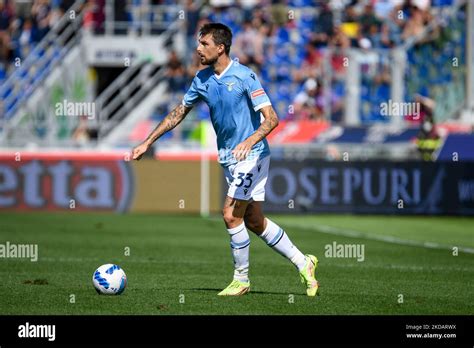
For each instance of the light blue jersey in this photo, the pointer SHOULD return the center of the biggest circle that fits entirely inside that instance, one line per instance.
(234, 99)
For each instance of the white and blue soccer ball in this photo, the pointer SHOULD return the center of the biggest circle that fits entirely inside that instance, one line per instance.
(109, 279)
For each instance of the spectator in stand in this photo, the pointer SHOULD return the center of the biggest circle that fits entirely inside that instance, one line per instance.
(350, 15)
(339, 42)
(266, 29)
(99, 17)
(5, 20)
(94, 16)
(416, 24)
(385, 41)
(339, 39)
(26, 37)
(376, 38)
(66, 5)
(40, 12)
(394, 26)
(55, 16)
(3, 57)
(368, 19)
(248, 46)
(88, 18)
(311, 66)
(308, 103)
(120, 15)
(324, 28)
(248, 7)
(176, 73)
(350, 26)
(383, 8)
(14, 33)
(279, 12)
(192, 20)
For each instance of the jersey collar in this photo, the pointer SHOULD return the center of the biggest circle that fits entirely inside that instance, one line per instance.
(225, 70)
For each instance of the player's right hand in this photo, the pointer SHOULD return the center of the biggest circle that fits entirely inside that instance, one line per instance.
(138, 151)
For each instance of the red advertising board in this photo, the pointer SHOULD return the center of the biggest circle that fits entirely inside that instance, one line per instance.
(65, 181)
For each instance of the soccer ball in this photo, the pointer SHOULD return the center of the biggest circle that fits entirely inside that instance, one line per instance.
(109, 279)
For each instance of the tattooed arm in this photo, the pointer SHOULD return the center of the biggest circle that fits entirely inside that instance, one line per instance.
(269, 124)
(169, 122)
(242, 150)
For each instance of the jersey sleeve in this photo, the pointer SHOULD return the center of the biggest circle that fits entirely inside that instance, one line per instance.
(255, 92)
(192, 96)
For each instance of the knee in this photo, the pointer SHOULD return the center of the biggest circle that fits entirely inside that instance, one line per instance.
(230, 219)
(255, 224)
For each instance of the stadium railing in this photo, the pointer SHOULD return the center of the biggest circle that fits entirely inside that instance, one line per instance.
(40, 62)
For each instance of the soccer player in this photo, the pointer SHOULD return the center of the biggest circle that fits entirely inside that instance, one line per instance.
(236, 101)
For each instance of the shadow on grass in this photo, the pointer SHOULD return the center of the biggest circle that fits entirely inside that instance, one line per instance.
(251, 292)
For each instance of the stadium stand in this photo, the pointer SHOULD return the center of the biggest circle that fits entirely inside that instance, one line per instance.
(301, 49)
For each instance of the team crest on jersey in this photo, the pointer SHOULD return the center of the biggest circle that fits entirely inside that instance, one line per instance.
(230, 86)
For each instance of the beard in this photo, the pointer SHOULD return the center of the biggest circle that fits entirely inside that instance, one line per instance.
(209, 61)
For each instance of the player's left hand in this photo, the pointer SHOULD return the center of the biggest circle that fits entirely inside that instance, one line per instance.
(242, 150)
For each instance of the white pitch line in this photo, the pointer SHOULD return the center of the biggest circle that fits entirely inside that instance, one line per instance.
(116, 260)
(399, 267)
(388, 239)
(356, 234)
(325, 260)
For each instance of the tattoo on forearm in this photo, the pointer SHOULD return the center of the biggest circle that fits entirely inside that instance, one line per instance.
(169, 122)
(270, 122)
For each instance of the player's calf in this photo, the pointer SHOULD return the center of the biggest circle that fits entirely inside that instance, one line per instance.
(254, 218)
(255, 226)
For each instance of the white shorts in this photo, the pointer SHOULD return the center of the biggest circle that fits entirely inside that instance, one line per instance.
(247, 179)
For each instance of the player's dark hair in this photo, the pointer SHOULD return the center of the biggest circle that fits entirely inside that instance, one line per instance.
(221, 34)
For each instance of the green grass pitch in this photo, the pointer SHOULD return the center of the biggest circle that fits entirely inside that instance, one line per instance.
(177, 265)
